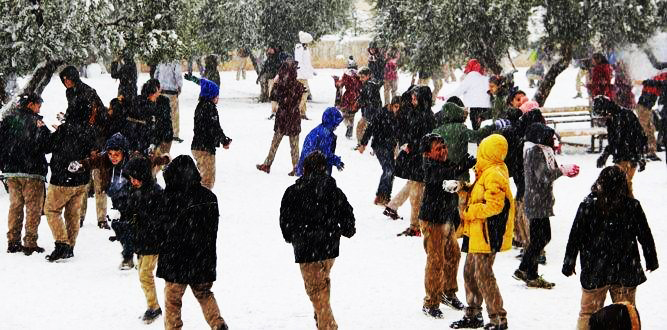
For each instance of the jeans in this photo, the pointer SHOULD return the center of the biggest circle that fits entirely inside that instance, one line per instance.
(386, 159)
(540, 235)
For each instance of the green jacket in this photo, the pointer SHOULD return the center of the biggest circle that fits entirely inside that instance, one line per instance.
(457, 135)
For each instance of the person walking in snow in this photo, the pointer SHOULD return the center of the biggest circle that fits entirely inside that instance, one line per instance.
(604, 234)
(541, 170)
(269, 72)
(125, 70)
(383, 129)
(488, 221)
(171, 83)
(287, 92)
(208, 134)
(25, 141)
(438, 220)
(187, 248)
(369, 100)
(314, 214)
(305, 70)
(348, 101)
(323, 139)
(242, 55)
(472, 91)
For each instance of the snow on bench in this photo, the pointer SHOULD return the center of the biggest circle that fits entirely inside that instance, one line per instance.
(576, 114)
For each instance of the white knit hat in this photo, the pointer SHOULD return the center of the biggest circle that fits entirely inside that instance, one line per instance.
(305, 37)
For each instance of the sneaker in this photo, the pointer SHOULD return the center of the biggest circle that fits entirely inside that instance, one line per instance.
(103, 225)
(127, 264)
(474, 322)
(653, 157)
(61, 251)
(391, 213)
(264, 168)
(14, 247)
(410, 232)
(433, 312)
(28, 250)
(540, 283)
(177, 139)
(452, 301)
(493, 326)
(151, 315)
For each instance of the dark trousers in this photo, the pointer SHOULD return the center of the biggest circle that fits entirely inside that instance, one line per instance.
(386, 158)
(476, 117)
(540, 235)
(124, 235)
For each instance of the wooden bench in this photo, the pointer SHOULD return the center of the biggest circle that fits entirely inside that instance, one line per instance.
(576, 114)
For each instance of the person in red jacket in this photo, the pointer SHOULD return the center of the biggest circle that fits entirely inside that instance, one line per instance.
(348, 102)
(600, 77)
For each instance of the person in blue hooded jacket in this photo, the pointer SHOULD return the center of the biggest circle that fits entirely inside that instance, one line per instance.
(322, 138)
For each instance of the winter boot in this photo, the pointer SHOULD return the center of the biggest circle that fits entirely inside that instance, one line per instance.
(348, 133)
(410, 232)
(151, 315)
(474, 322)
(493, 326)
(433, 312)
(14, 247)
(540, 283)
(61, 251)
(391, 213)
(28, 250)
(452, 301)
(263, 168)
(128, 264)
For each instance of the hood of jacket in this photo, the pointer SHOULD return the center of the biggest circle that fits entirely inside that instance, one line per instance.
(491, 152)
(181, 173)
(452, 113)
(331, 118)
(117, 142)
(473, 65)
(539, 133)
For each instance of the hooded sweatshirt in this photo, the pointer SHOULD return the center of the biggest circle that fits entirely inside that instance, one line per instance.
(322, 138)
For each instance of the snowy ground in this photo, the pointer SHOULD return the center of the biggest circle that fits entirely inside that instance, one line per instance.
(377, 282)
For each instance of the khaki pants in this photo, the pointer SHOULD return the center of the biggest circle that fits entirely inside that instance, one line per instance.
(629, 169)
(304, 97)
(361, 128)
(70, 199)
(521, 224)
(173, 104)
(390, 90)
(480, 285)
(162, 149)
(646, 120)
(28, 193)
(318, 287)
(582, 76)
(275, 143)
(274, 104)
(206, 166)
(240, 69)
(415, 191)
(593, 300)
(173, 301)
(100, 199)
(442, 261)
(146, 266)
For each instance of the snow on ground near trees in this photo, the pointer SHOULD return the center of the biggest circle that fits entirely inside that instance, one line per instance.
(377, 282)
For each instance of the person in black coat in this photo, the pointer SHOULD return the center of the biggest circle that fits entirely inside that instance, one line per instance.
(383, 129)
(376, 63)
(125, 71)
(25, 141)
(142, 213)
(369, 100)
(269, 71)
(84, 106)
(314, 214)
(608, 224)
(627, 141)
(188, 249)
(70, 142)
(140, 126)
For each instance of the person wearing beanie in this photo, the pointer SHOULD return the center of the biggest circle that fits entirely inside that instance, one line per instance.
(305, 69)
(540, 171)
(604, 235)
(208, 135)
(323, 139)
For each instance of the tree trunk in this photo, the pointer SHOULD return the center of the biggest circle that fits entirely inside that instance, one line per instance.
(38, 81)
(550, 78)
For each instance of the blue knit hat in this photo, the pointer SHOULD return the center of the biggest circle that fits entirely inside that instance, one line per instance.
(209, 90)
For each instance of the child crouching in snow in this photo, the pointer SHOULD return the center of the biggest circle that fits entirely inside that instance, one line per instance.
(540, 171)
(322, 138)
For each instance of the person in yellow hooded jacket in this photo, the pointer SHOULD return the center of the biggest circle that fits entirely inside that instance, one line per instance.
(488, 223)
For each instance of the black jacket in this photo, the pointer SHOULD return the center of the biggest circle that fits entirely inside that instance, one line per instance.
(24, 144)
(270, 66)
(84, 106)
(163, 129)
(143, 207)
(190, 219)
(126, 73)
(70, 142)
(608, 246)
(208, 133)
(413, 124)
(383, 128)
(439, 206)
(314, 213)
(376, 64)
(514, 135)
(140, 125)
(627, 141)
(369, 100)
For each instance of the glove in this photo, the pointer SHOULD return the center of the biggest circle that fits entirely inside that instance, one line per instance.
(501, 123)
(452, 186)
(187, 76)
(642, 165)
(569, 170)
(469, 162)
(341, 166)
(602, 160)
(113, 214)
(568, 269)
(74, 167)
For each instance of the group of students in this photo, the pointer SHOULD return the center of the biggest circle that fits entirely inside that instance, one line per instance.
(125, 145)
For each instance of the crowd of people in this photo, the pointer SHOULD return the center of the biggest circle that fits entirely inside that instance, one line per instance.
(121, 148)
